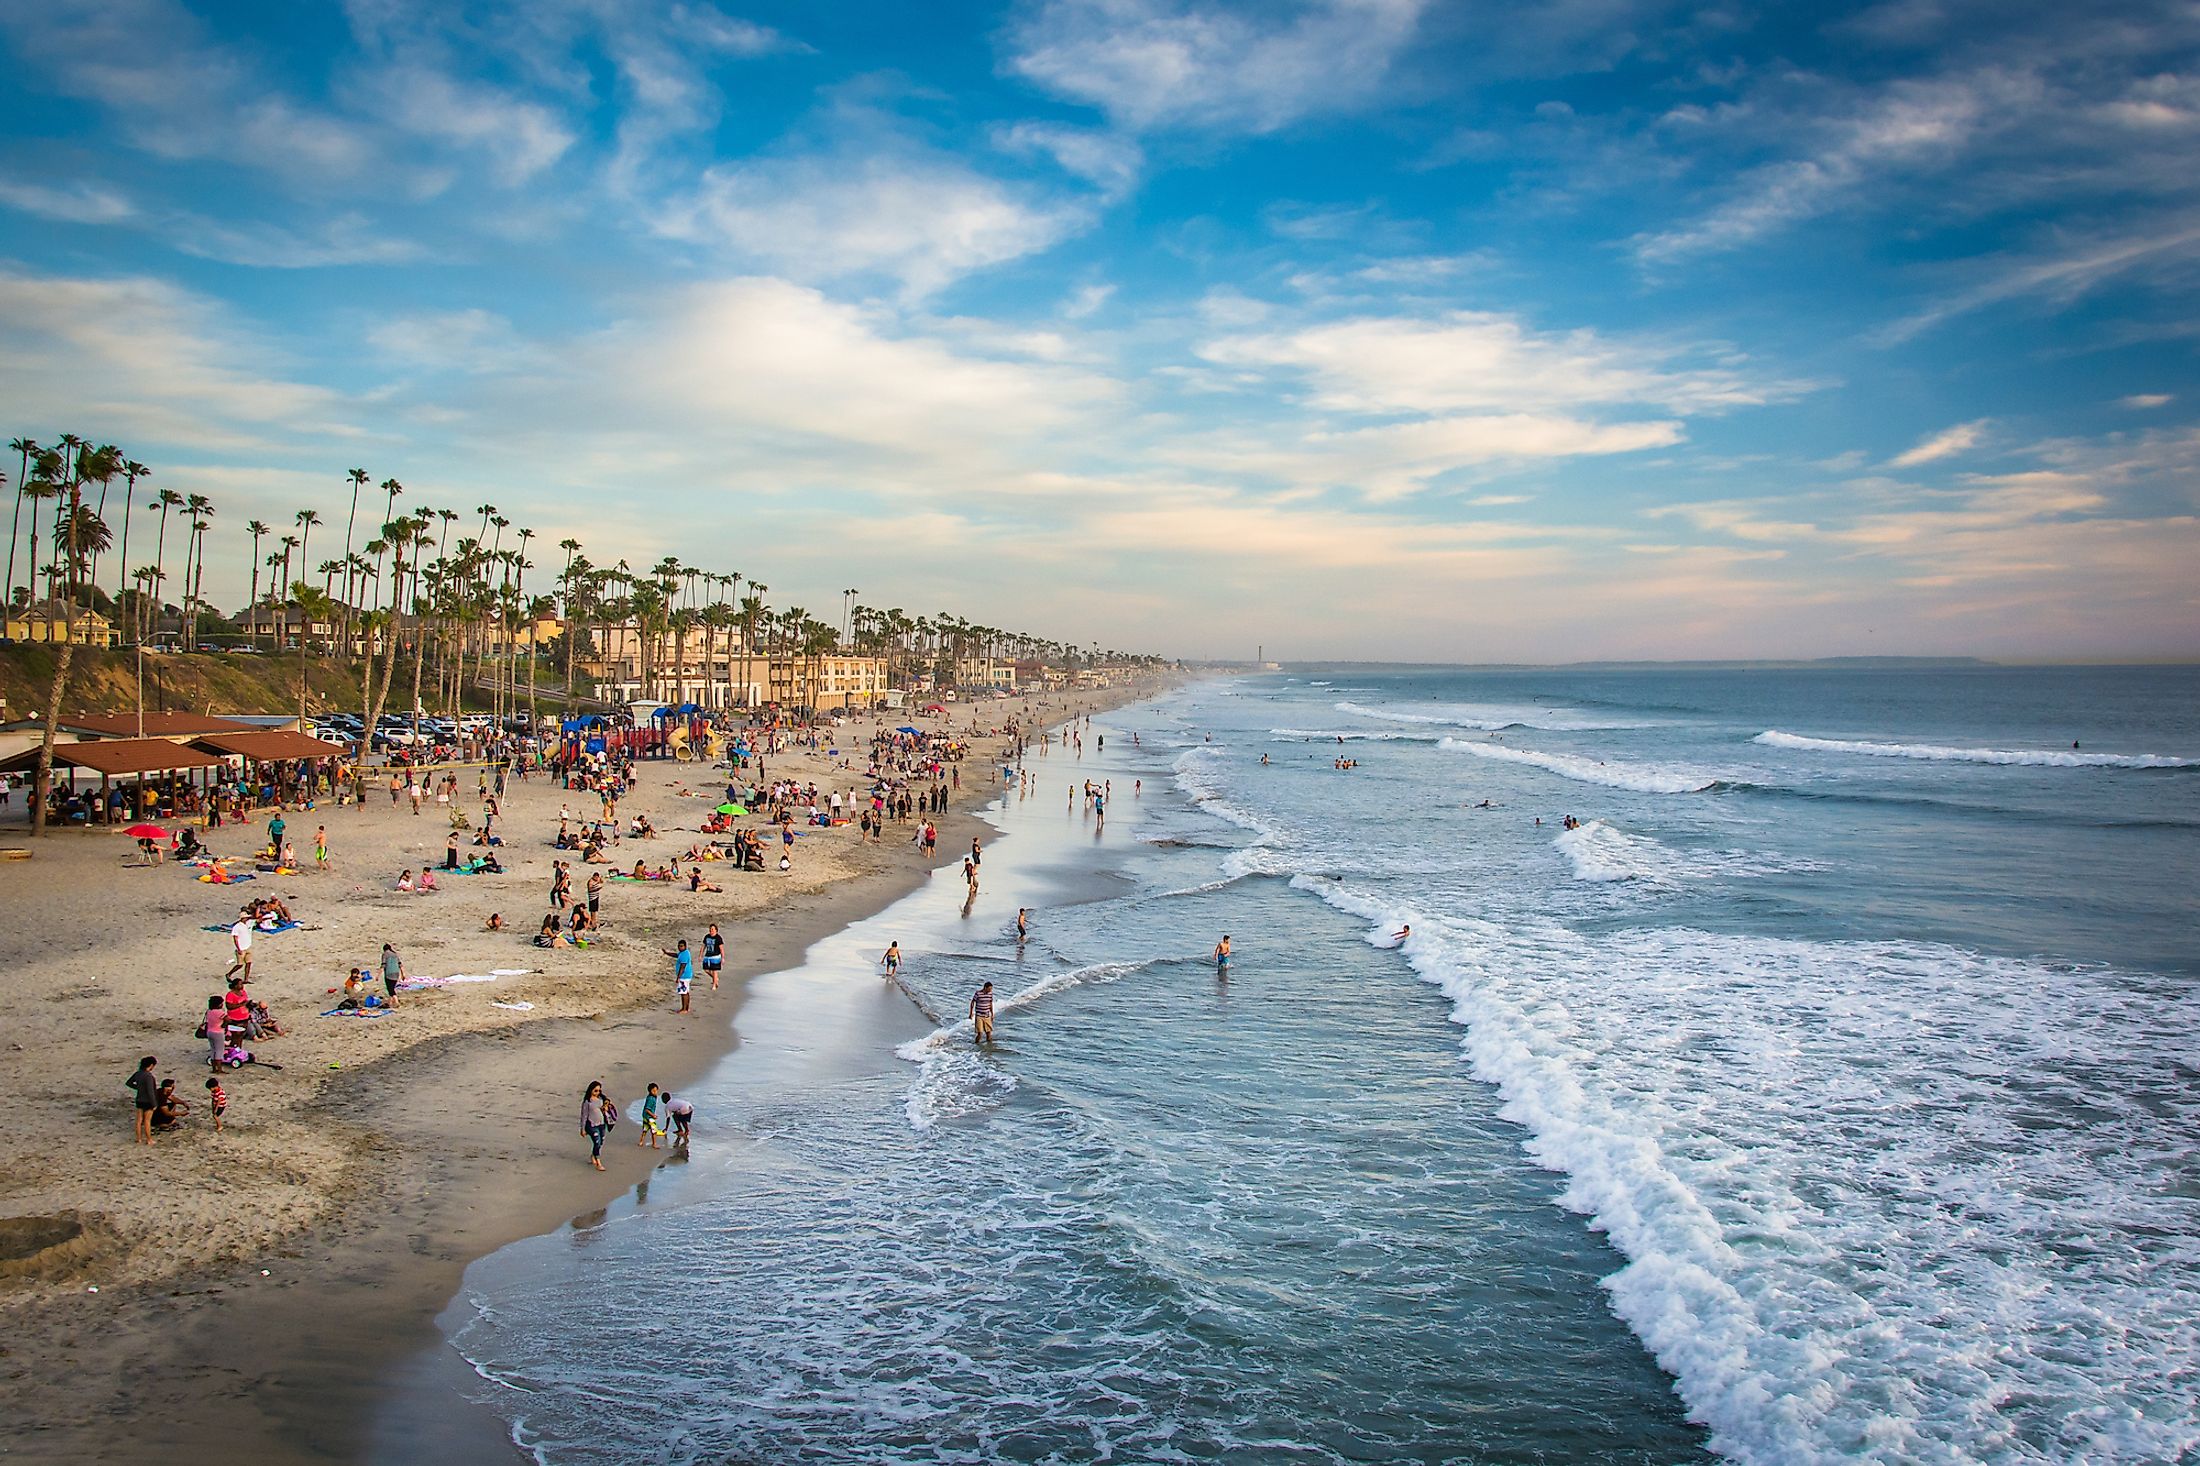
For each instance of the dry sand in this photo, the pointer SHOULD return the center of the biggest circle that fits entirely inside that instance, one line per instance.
(252, 1285)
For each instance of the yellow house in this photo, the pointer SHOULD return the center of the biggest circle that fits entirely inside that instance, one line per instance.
(51, 620)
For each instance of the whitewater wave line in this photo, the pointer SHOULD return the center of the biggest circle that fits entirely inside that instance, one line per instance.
(2046, 758)
(1642, 778)
(1549, 723)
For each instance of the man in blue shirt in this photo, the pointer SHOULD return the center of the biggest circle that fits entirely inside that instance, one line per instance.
(683, 973)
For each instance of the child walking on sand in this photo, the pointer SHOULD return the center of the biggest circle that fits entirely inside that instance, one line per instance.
(217, 1102)
(653, 1119)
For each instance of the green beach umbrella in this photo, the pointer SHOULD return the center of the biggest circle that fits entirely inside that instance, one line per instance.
(731, 809)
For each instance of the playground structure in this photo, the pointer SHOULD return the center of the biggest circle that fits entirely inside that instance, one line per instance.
(685, 750)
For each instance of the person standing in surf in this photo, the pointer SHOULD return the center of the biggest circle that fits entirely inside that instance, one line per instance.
(1222, 956)
(981, 1014)
(892, 960)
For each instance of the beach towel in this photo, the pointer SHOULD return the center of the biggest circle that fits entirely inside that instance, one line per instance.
(515, 1007)
(355, 1013)
(264, 931)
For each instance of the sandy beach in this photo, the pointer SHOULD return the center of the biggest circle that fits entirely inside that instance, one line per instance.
(246, 1291)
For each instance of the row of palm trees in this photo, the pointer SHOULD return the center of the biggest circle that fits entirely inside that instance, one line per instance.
(67, 557)
(664, 606)
(460, 604)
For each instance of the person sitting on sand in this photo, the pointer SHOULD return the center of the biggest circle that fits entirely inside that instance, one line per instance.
(405, 881)
(697, 883)
(495, 923)
(550, 936)
(427, 881)
(168, 1108)
(641, 871)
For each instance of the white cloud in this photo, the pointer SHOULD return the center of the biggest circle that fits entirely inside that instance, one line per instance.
(177, 93)
(80, 202)
(2141, 401)
(1393, 460)
(764, 357)
(348, 239)
(1961, 438)
(1255, 69)
(1911, 125)
(1085, 300)
(921, 219)
(2066, 274)
(1480, 361)
(519, 138)
(138, 360)
(1108, 161)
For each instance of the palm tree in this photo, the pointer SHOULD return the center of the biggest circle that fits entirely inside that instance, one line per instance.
(67, 653)
(313, 605)
(258, 529)
(27, 449)
(396, 535)
(132, 471)
(166, 500)
(678, 624)
(306, 519)
(358, 480)
(39, 488)
(752, 610)
(199, 507)
(102, 463)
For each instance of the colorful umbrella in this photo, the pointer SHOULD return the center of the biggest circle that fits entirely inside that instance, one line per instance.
(731, 809)
(146, 832)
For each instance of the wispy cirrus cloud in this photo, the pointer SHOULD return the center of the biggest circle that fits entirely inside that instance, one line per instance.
(1950, 443)
(81, 201)
(1230, 68)
(137, 357)
(1909, 125)
(1482, 360)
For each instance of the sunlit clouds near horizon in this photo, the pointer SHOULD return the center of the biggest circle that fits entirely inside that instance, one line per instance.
(1352, 328)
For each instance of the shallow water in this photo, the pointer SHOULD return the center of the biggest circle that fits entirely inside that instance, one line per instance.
(1838, 1100)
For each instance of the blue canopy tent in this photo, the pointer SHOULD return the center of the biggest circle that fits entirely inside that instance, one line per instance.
(575, 725)
(684, 710)
(913, 732)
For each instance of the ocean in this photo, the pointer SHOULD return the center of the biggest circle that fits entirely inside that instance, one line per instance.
(1828, 1093)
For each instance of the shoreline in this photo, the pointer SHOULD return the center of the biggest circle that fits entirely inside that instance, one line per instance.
(448, 1158)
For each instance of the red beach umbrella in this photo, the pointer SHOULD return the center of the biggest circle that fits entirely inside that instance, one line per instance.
(146, 832)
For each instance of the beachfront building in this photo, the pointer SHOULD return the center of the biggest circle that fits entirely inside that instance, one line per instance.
(719, 670)
(985, 673)
(281, 626)
(829, 680)
(53, 621)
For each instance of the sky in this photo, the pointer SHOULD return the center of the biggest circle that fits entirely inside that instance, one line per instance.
(1394, 329)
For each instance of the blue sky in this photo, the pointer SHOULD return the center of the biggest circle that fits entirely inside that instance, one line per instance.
(1375, 328)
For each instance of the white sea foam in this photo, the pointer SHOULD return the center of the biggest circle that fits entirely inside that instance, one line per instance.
(1488, 718)
(2047, 758)
(1331, 735)
(1198, 774)
(1883, 1201)
(1642, 778)
(956, 1080)
(1602, 853)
